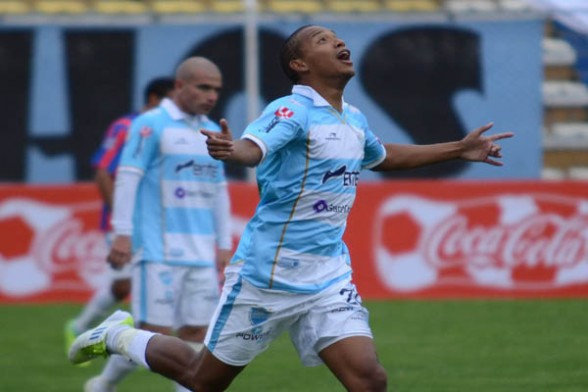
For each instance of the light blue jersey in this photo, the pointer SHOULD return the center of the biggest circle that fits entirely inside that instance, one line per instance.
(312, 156)
(173, 220)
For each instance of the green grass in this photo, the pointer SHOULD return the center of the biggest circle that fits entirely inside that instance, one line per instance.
(425, 346)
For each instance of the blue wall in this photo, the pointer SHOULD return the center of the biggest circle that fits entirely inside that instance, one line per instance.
(416, 82)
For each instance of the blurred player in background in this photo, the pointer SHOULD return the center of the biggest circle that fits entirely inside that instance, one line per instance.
(105, 162)
(171, 201)
(292, 271)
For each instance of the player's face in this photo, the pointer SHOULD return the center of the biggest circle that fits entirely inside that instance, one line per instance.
(325, 54)
(199, 94)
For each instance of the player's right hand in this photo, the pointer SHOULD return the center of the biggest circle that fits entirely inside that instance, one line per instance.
(120, 251)
(220, 144)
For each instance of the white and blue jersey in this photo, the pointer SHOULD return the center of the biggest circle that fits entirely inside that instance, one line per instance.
(173, 219)
(312, 156)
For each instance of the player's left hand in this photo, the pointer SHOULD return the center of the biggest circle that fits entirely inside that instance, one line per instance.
(480, 148)
(220, 144)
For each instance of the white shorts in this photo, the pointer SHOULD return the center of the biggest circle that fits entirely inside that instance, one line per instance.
(248, 319)
(173, 296)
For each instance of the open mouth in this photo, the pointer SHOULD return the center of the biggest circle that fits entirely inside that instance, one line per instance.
(344, 55)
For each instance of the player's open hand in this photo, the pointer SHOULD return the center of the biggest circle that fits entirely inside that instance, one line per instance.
(220, 144)
(480, 148)
(120, 252)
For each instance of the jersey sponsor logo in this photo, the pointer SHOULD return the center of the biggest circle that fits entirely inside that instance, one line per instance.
(282, 113)
(288, 263)
(349, 178)
(181, 193)
(258, 315)
(207, 170)
(253, 336)
(332, 136)
(323, 206)
(145, 132)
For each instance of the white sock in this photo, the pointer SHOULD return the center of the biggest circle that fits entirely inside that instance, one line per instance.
(129, 342)
(117, 367)
(95, 309)
(180, 388)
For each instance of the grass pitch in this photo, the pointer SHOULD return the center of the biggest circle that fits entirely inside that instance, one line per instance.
(433, 346)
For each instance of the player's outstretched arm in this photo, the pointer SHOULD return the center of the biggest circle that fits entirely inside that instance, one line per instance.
(475, 146)
(222, 146)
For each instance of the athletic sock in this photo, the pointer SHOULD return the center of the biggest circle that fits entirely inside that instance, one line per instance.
(95, 309)
(117, 367)
(129, 342)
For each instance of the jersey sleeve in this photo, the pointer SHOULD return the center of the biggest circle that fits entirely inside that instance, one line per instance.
(279, 123)
(374, 150)
(107, 155)
(142, 144)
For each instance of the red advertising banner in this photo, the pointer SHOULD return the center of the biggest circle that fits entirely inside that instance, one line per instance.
(408, 239)
(431, 239)
(51, 248)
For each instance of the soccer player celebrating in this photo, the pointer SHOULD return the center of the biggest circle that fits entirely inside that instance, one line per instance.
(291, 271)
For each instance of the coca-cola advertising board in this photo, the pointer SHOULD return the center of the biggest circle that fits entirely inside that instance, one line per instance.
(408, 239)
(51, 247)
(431, 239)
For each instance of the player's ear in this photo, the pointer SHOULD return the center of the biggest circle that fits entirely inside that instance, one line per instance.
(298, 65)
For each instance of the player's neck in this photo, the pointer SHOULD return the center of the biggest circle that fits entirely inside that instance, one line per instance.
(333, 94)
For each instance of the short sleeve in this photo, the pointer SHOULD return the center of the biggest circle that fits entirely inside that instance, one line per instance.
(281, 122)
(142, 144)
(374, 150)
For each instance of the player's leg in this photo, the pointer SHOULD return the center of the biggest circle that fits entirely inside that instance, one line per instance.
(196, 299)
(151, 311)
(335, 330)
(176, 360)
(354, 362)
(121, 288)
(115, 290)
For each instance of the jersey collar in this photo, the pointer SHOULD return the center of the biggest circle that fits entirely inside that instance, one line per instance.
(177, 114)
(309, 92)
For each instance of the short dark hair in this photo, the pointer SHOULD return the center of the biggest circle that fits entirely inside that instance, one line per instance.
(291, 50)
(158, 86)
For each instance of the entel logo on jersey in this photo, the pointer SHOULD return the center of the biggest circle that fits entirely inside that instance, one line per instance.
(349, 178)
(207, 170)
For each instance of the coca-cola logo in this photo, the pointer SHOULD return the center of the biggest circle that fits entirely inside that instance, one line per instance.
(68, 246)
(545, 240)
(521, 242)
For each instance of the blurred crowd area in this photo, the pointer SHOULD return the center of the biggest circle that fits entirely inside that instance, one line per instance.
(232, 6)
(565, 48)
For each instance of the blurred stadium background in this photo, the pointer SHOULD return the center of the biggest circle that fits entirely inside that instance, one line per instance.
(476, 277)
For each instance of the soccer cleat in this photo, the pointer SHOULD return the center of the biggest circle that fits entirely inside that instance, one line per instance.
(70, 334)
(95, 384)
(92, 343)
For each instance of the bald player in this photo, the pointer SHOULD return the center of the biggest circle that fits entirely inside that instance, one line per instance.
(171, 211)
